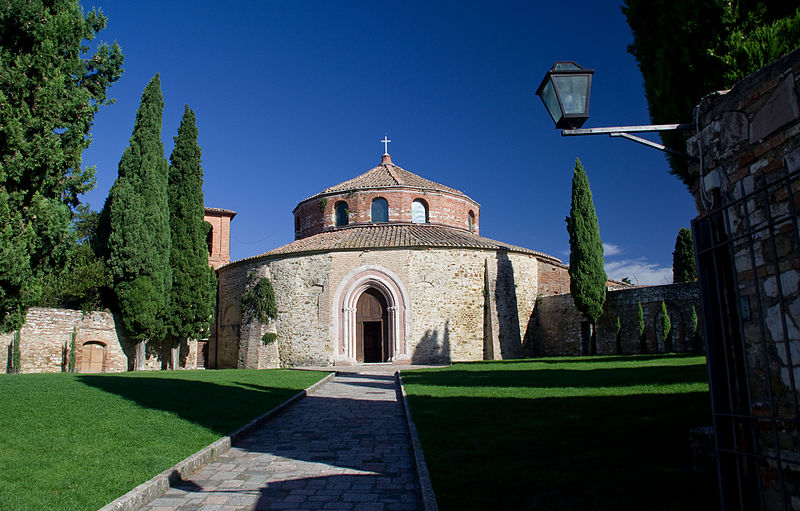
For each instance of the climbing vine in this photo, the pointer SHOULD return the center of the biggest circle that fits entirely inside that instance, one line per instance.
(259, 302)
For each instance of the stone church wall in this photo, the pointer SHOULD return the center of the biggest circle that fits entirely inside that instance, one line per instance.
(557, 323)
(447, 294)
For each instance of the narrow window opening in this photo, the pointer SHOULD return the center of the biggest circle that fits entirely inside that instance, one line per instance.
(380, 211)
(342, 214)
(419, 212)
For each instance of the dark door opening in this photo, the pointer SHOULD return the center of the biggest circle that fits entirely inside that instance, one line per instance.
(373, 341)
(372, 334)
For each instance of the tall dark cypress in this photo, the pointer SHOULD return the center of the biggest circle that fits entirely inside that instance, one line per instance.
(683, 265)
(139, 235)
(586, 265)
(193, 280)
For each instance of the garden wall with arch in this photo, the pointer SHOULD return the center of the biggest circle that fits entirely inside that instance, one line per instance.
(558, 328)
(100, 344)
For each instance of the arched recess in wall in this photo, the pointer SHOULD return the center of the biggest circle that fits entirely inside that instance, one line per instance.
(376, 280)
(341, 214)
(93, 357)
(471, 221)
(379, 211)
(419, 212)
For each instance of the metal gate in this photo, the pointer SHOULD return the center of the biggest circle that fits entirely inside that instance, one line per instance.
(748, 258)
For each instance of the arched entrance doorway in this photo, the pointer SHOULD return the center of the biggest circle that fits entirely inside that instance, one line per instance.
(370, 317)
(372, 328)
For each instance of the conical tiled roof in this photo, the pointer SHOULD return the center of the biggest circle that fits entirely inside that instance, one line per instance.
(389, 176)
(392, 236)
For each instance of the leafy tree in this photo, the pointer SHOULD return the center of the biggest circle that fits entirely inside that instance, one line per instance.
(640, 328)
(627, 280)
(50, 90)
(689, 48)
(586, 266)
(138, 230)
(666, 327)
(683, 265)
(84, 282)
(192, 297)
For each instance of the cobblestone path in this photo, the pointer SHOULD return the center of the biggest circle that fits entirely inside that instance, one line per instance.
(343, 447)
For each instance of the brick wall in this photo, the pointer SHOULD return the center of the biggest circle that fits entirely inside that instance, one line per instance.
(318, 213)
(47, 332)
(45, 338)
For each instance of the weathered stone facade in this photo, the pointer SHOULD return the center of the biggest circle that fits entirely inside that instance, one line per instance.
(443, 313)
(747, 196)
(558, 326)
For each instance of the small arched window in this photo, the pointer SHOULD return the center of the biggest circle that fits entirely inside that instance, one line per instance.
(342, 214)
(471, 221)
(380, 211)
(419, 212)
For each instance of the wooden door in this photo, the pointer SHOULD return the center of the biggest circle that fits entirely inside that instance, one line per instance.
(93, 357)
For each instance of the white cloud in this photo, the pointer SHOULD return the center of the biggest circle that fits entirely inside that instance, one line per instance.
(611, 250)
(640, 271)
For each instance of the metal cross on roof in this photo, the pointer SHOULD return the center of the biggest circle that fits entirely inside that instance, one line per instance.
(386, 144)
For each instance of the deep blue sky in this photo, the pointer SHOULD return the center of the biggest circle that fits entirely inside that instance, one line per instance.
(293, 97)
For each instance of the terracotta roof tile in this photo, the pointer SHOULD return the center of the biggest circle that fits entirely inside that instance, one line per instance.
(393, 236)
(388, 176)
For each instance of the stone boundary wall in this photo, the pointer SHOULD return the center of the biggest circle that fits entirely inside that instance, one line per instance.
(46, 336)
(557, 324)
(47, 333)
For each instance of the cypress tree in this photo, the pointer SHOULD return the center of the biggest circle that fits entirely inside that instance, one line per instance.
(640, 328)
(683, 265)
(51, 87)
(666, 328)
(139, 237)
(193, 280)
(586, 266)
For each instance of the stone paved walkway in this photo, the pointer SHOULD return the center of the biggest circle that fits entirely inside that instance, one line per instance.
(343, 447)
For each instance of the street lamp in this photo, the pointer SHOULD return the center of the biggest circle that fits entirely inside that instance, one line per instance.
(565, 91)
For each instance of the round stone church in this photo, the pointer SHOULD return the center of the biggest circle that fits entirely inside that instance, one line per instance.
(388, 267)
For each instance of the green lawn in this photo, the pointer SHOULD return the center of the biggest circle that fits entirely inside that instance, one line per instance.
(565, 433)
(78, 441)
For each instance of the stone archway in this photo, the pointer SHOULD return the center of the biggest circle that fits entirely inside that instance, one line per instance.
(385, 302)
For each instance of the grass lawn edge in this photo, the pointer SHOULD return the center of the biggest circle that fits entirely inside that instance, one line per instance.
(149, 490)
(423, 474)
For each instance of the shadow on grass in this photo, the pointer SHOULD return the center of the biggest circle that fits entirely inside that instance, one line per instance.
(626, 452)
(220, 408)
(560, 378)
